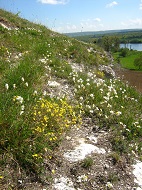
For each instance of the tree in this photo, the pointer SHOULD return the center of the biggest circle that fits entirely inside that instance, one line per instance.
(110, 43)
(107, 43)
(116, 43)
(138, 62)
(124, 52)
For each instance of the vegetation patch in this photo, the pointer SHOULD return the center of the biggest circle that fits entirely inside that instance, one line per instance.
(129, 59)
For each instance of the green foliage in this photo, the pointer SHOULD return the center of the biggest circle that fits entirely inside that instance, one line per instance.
(110, 43)
(115, 157)
(87, 163)
(124, 52)
(128, 61)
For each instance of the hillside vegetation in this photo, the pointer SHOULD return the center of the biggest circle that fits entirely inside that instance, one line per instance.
(50, 83)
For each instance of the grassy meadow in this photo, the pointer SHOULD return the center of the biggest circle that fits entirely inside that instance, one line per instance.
(127, 62)
(32, 121)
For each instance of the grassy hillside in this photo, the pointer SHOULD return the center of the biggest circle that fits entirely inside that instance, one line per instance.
(49, 83)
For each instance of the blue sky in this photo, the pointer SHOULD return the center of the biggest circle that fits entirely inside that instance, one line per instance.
(79, 15)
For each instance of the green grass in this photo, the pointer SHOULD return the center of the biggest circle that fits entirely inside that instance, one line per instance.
(33, 122)
(128, 61)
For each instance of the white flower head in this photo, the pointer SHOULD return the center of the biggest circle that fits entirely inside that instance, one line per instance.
(88, 84)
(91, 111)
(26, 84)
(21, 112)
(44, 93)
(109, 185)
(18, 99)
(35, 93)
(22, 107)
(91, 95)
(23, 79)
(118, 113)
(82, 178)
(14, 86)
(81, 98)
(112, 112)
(6, 86)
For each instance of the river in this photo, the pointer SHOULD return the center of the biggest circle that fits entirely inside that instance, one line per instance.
(134, 46)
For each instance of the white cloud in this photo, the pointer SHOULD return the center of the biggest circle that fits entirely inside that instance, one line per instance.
(84, 25)
(111, 4)
(133, 23)
(97, 19)
(71, 27)
(137, 21)
(53, 2)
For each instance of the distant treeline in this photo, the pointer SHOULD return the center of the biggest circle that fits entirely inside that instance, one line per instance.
(125, 36)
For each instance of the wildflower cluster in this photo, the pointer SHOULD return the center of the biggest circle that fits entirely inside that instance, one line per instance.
(19, 100)
(52, 118)
(100, 74)
(109, 101)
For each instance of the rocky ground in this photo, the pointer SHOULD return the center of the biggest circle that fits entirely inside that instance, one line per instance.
(85, 161)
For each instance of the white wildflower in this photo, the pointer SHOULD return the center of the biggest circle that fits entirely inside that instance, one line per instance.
(109, 106)
(22, 107)
(88, 106)
(6, 86)
(91, 95)
(112, 112)
(82, 178)
(14, 86)
(109, 185)
(35, 93)
(118, 113)
(44, 93)
(21, 112)
(91, 111)
(18, 99)
(26, 84)
(81, 98)
(106, 98)
(23, 79)
(73, 79)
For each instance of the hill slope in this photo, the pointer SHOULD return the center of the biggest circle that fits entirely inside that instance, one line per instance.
(58, 95)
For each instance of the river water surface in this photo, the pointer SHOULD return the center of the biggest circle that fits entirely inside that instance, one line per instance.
(134, 46)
